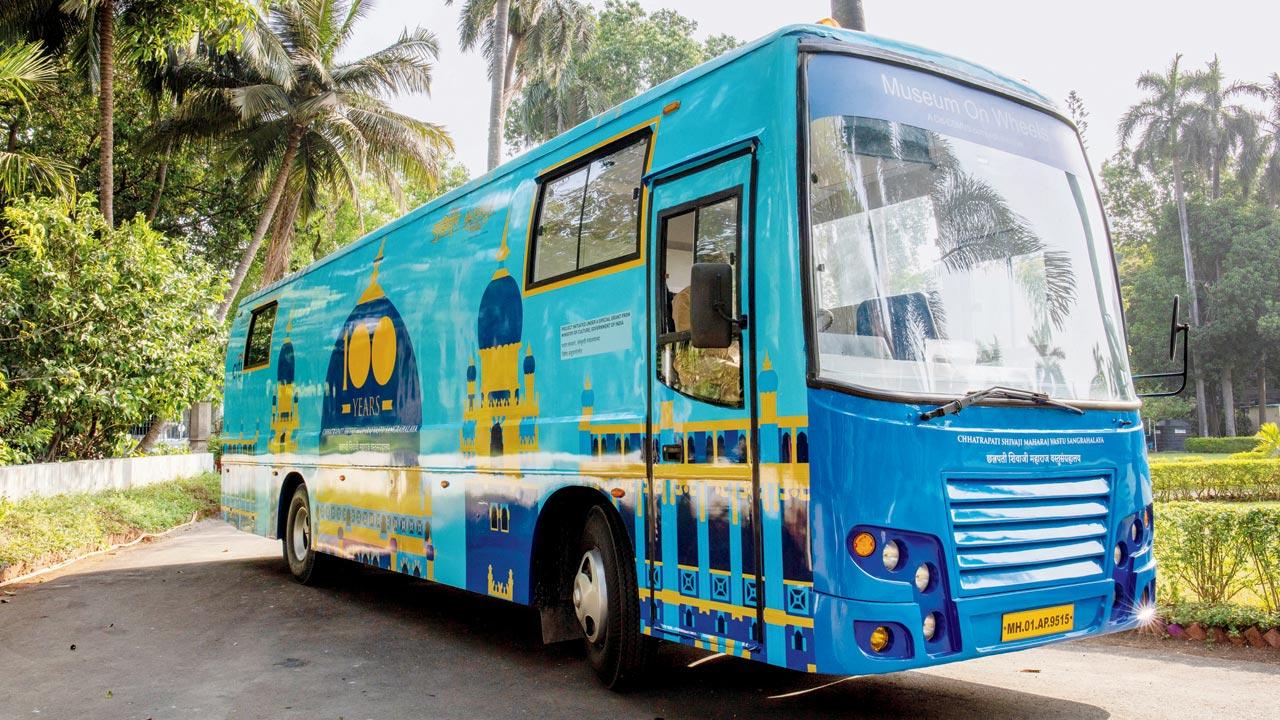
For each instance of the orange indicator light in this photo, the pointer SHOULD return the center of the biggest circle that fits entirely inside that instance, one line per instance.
(671, 107)
(880, 638)
(617, 492)
(864, 544)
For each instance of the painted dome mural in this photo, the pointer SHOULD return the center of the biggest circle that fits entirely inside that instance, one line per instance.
(372, 397)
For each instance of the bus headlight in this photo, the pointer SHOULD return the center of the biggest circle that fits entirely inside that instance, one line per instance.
(930, 626)
(890, 555)
(923, 577)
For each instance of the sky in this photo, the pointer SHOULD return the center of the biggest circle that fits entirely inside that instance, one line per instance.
(1095, 47)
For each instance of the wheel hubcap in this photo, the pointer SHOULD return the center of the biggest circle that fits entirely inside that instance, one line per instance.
(591, 595)
(301, 536)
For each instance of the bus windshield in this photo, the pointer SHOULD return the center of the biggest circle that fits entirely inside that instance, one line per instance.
(956, 242)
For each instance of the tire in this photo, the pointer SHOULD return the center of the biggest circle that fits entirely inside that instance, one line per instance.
(308, 566)
(616, 649)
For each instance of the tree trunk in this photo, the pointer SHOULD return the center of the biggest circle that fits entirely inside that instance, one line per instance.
(162, 173)
(1228, 403)
(12, 142)
(497, 114)
(849, 14)
(148, 440)
(280, 250)
(264, 222)
(1262, 391)
(1188, 263)
(106, 109)
(510, 82)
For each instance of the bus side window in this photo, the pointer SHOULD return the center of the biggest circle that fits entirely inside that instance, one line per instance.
(589, 215)
(708, 233)
(257, 346)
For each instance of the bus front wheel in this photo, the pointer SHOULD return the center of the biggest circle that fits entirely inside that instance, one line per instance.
(308, 566)
(607, 603)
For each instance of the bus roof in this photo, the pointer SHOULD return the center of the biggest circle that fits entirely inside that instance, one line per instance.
(874, 44)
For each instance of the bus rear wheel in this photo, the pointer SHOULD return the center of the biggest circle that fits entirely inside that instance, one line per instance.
(607, 603)
(308, 566)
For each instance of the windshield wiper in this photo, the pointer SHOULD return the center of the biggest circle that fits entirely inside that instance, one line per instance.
(996, 391)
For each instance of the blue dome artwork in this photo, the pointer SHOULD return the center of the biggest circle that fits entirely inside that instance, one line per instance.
(769, 381)
(501, 316)
(529, 365)
(285, 365)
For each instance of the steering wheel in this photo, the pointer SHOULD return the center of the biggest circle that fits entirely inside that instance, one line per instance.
(824, 319)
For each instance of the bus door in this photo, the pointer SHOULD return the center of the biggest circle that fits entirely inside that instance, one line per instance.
(703, 544)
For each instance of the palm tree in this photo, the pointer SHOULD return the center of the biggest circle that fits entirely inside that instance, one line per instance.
(1269, 145)
(25, 70)
(1161, 122)
(1218, 126)
(521, 39)
(302, 121)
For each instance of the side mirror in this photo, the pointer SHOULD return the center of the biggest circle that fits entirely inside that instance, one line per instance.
(711, 321)
(1174, 325)
(1176, 328)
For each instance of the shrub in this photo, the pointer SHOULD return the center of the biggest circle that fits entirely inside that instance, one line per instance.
(1196, 549)
(1268, 437)
(1226, 479)
(100, 328)
(1221, 444)
(1214, 550)
(1233, 617)
(1259, 534)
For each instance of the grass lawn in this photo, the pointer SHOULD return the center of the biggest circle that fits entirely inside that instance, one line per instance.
(39, 531)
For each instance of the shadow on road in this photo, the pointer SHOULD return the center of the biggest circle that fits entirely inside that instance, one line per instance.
(236, 637)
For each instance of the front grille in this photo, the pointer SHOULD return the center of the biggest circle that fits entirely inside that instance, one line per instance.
(1013, 533)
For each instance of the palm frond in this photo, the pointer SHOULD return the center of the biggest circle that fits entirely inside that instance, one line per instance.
(406, 64)
(23, 171)
(24, 70)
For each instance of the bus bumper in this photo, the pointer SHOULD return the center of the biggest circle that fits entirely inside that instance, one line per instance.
(844, 649)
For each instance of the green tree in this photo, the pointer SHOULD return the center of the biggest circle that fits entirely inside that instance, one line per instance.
(521, 38)
(1244, 299)
(304, 121)
(631, 52)
(1161, 121)
(95, 28)
(101, 329)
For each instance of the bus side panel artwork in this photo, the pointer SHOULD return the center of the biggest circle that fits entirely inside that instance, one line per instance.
(432, 402)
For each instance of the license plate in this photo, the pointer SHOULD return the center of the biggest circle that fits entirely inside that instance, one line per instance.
(1034, 623)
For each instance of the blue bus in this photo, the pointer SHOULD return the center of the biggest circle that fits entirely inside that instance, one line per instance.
(812, 355)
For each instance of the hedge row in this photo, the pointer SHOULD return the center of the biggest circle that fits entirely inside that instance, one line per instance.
(1231, 617)
(1211, 552)
(1221, 444)
(1216, 480)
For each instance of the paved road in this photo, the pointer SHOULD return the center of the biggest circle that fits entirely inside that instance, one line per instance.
(207, 624)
